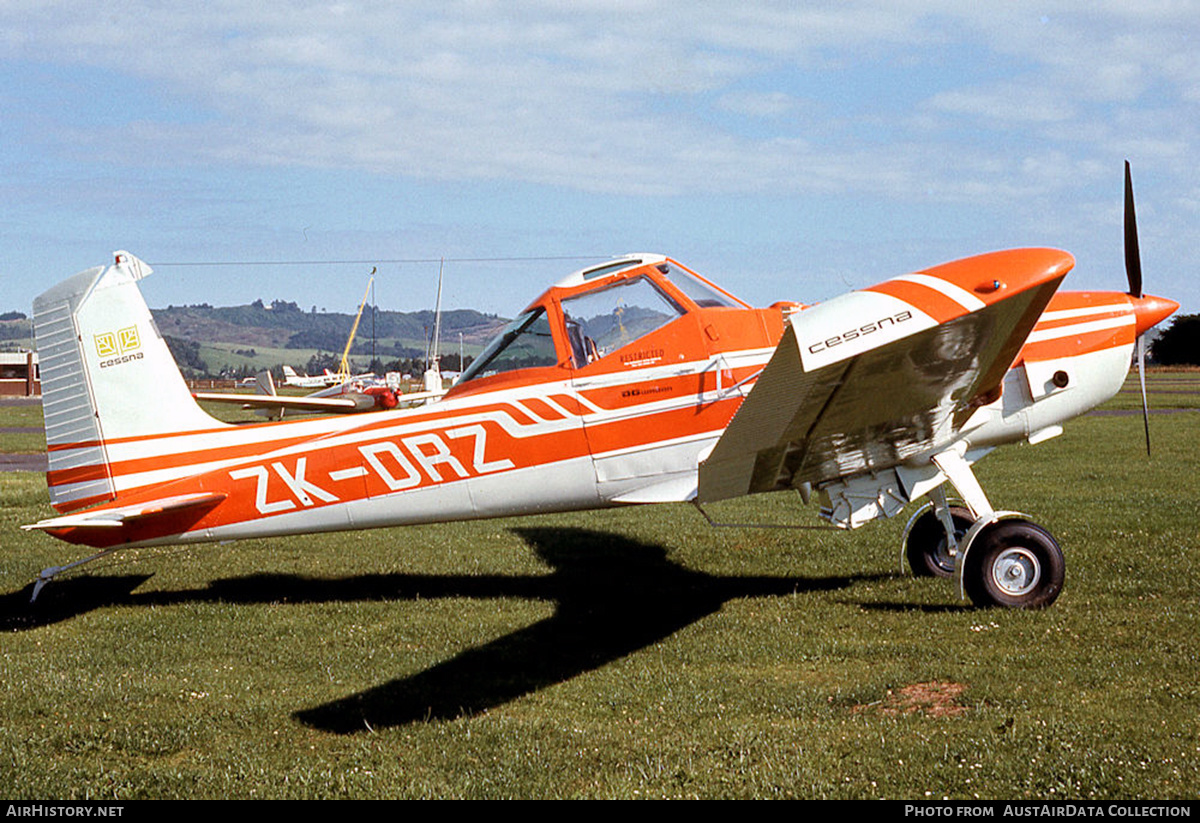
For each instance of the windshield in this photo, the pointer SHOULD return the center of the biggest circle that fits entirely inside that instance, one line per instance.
(524, 343)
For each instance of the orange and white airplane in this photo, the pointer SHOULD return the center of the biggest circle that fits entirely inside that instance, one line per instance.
(631, 382)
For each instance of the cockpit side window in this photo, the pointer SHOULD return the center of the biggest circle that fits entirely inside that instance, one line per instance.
(704, 294)
(602, 321)
(525, 343)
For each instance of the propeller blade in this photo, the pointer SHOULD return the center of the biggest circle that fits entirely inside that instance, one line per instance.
(1141, 346)
(1133, 271)
(1133, 258)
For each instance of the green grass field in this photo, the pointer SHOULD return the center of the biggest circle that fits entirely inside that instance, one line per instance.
(628, 653)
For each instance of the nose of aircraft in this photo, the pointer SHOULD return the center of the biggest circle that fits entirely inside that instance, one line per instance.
(1151, 311)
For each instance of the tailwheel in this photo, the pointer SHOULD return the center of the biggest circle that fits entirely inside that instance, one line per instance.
(928, 550)
(1015, 564)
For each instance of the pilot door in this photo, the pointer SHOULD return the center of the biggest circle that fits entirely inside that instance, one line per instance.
(637, 358)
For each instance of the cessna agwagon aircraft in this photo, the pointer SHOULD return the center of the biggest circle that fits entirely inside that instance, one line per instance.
(635, 381)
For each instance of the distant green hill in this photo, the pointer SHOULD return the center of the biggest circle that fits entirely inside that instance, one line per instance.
(15, 331)
(210, 340)
(285, 325)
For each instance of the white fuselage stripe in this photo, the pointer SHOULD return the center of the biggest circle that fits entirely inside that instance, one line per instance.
(1080, 328)
(959, 295)
(1090, 311)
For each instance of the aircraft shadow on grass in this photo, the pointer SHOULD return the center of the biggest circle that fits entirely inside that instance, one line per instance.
(613, 595)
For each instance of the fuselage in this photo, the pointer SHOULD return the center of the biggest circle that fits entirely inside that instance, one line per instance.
(609, 389)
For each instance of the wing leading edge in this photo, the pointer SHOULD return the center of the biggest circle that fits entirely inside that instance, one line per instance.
(884, 376)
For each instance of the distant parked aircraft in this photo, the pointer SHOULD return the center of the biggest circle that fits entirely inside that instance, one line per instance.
(316, 381)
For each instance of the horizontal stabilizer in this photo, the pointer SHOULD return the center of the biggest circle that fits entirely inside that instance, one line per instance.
(139, 513)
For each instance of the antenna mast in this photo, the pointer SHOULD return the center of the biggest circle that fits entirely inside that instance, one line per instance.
(344, 369)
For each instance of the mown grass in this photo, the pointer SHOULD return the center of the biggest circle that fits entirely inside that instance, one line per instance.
(627, 653)
(1176, 389)
(21, 415)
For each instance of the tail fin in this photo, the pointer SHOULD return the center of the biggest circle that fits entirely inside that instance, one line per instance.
(265, 383)
(107, 376)
(288, 371)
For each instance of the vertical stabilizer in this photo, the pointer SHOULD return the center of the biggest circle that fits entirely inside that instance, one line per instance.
(107, 375)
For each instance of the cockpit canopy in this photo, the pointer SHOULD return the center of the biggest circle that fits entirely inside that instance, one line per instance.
(596, 311)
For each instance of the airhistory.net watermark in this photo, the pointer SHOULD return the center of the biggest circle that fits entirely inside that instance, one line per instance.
(63, 810)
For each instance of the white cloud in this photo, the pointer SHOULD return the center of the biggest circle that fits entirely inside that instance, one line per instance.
(619, 96)
(1011, 103)
(770, 104)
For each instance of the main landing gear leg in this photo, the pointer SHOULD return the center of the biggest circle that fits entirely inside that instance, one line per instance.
(1002, 559)
(934, 535)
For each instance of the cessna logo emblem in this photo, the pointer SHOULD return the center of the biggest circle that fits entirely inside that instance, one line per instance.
(118, 347)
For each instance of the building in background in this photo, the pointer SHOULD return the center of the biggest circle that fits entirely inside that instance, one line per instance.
(19, 375)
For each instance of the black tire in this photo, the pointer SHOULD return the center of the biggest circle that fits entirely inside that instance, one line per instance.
(1015, 564)
(926, 547)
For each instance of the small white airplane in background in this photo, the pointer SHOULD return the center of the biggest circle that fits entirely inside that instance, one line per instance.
(316, 381)
(634, 381)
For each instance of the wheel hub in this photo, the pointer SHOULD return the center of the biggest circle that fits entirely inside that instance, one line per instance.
(1016, 571)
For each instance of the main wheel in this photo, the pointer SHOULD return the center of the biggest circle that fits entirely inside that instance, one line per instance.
(927, 549)
(1015, 564)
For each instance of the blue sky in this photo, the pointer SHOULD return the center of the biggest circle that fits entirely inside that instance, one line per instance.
(788, 150)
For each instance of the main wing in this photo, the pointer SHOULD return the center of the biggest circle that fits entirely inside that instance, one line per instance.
(875, 378)
(277, 403)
